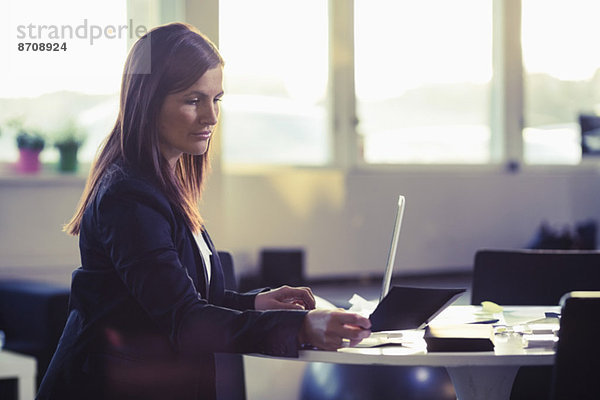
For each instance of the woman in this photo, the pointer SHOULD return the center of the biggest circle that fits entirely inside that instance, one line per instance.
(148, 308)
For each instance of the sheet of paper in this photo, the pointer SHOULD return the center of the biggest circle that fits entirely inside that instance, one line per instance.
(386, 350)
(521, 317)
(361, 306)
(321, 303)
(407, 338)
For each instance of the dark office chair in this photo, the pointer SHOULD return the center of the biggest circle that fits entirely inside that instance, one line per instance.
(282, 267)
(577, 363)
(33, 315)
(230, 367)
(532, 277)
(228, 270)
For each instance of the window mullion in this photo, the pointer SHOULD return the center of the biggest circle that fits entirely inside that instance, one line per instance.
(205, 16)
(172, 10)
(507, 93)
(342, 106)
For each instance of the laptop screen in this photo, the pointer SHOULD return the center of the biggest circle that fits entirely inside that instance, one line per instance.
(387, 277)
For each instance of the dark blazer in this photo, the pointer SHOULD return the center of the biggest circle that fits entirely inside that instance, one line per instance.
(141, 323)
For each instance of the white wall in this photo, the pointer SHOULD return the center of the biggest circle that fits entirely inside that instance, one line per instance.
(32, 212)
(342, 220)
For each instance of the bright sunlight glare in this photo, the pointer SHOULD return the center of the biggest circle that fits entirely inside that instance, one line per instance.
(289, 49)
(84, 64)
(404, 47)
(560, 38)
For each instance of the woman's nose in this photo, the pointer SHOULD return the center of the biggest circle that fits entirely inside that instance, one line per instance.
(210, 116)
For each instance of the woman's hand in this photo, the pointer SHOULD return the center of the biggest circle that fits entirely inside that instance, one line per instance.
(332, 329)
(285, 298)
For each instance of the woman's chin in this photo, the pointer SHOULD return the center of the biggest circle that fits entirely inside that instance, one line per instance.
(199, 150)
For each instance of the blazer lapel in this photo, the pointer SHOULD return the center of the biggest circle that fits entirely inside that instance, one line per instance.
(217, 283)
(196, 269)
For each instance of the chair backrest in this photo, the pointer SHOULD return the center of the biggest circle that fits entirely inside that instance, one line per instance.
(231, 384)
(533, 277)
(577, 364)
(228, 270)
(282, 267)
(33, 315)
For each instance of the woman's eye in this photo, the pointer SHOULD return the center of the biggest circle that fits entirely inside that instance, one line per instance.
(216, 100)
(192, 101)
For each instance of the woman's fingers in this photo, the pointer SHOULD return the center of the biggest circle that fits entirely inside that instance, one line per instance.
(298, 295)
(327, 329)
(308, 297)
(285, 297)
(290, 305)
(354, 319)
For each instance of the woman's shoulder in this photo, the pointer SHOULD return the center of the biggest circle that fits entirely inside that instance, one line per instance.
(125, 195)
(121, 181)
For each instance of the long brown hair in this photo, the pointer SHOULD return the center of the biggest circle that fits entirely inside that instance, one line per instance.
(166, 60)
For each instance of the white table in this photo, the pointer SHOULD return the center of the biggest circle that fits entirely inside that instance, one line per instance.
(475, 375)
(21, 367)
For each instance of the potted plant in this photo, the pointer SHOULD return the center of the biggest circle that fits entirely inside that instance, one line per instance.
(68, 141)
(30, 144)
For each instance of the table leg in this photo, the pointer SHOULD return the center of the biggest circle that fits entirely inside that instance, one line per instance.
(479, 382)
(26, 387)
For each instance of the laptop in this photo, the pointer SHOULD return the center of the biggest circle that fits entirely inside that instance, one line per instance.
(387, 276)
(402, 307)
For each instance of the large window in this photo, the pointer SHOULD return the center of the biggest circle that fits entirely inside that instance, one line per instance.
(276, 63)
(562, 76)
(339, 82)
(423, 72)
(431, 82)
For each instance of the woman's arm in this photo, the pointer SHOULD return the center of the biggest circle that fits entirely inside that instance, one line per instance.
(136, 228)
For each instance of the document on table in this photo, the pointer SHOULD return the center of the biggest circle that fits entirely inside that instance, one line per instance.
(407, 338)
(522, 317)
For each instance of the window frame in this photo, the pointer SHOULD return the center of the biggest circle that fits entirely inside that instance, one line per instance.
(507, 83)
(506, 105)
(507, 91)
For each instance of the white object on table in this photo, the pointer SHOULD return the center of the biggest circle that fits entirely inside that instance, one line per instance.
(21, 367)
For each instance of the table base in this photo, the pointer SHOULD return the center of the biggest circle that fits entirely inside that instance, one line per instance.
(481, 382)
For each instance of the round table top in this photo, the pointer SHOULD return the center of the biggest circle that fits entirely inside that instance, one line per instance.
(415, 352)
(399, 355)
